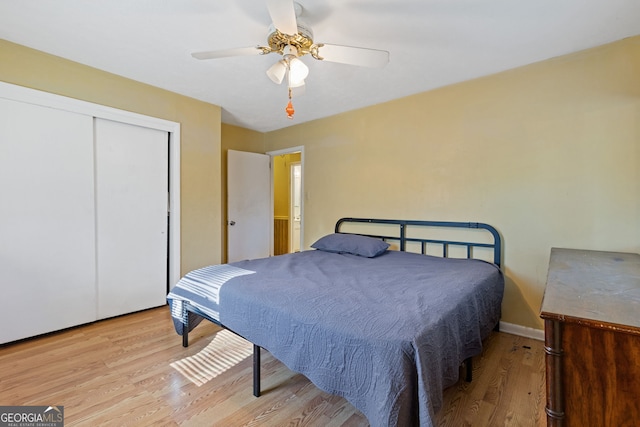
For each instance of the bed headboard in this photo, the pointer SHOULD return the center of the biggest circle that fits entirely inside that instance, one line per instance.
(399, 233)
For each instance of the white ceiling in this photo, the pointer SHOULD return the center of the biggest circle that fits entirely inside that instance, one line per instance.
(432, 43)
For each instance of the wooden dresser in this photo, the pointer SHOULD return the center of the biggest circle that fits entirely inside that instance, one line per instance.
(591, 312)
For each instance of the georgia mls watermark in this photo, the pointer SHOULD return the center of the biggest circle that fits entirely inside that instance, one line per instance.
(31, 416)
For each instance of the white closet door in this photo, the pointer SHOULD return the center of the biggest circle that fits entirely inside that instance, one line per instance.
(131, 204)
(47, 234)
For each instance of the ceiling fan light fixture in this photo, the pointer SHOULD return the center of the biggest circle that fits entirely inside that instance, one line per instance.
(295, 84)
(277, 71)
(298, 71)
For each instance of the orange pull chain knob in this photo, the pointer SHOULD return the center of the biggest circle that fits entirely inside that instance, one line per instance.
(289, 110)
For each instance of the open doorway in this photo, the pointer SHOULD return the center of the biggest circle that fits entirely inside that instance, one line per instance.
(295, 204)
(287, 179)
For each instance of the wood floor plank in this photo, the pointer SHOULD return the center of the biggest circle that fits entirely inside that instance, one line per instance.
(118, 372)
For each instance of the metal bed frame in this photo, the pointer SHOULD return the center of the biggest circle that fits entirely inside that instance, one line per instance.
(401, 237)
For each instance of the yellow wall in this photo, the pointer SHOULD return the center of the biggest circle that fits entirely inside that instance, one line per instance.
(548, 153)
(200, 134)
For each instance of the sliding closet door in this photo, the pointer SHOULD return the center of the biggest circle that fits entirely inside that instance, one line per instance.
(131, 204)
(47, 234)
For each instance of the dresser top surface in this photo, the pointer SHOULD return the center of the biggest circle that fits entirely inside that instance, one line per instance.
(593, 286)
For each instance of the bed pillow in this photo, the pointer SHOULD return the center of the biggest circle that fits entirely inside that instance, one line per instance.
(351, 244)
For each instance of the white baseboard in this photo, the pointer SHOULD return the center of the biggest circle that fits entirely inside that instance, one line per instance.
(523, 331)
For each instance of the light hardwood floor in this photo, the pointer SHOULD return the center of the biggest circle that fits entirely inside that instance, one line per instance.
(117, 372)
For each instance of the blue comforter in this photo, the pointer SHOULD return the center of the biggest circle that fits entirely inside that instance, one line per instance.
(387, 333)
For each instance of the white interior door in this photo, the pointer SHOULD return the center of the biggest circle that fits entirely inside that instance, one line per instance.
(249, 211)
(47, 234)
(131, 204)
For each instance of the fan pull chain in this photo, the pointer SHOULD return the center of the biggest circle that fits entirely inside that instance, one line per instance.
(289, 108)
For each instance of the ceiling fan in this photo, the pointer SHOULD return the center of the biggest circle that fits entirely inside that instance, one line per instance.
(292, 38)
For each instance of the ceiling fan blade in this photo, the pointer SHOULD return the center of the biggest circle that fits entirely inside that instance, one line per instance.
(283, 15)
(224, 53)
(363, 57)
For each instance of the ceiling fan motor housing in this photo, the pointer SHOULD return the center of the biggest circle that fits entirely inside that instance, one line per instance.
(301, 41)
